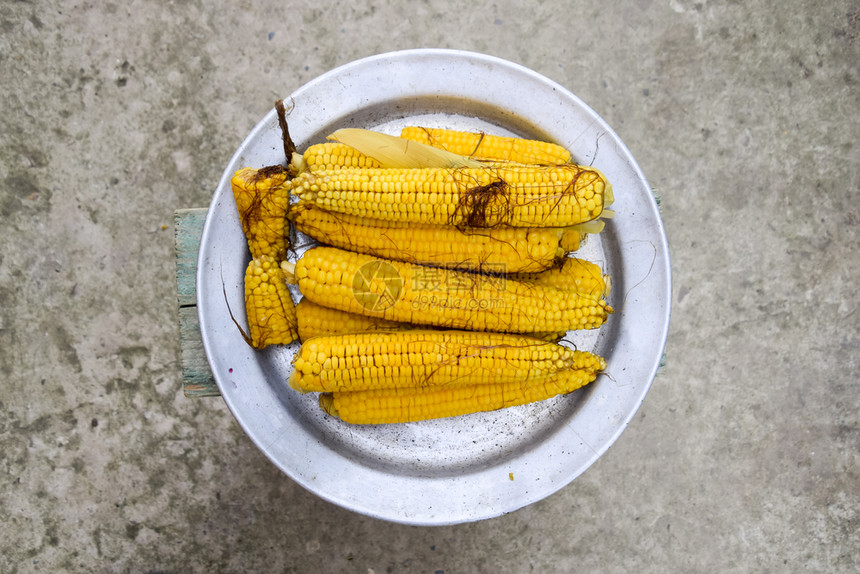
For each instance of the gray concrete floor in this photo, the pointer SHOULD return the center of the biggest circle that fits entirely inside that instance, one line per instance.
(744, 456)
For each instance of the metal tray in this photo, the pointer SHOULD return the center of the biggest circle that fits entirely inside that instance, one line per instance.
(475, 466)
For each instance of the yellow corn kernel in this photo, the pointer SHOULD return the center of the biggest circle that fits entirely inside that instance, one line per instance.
(571, 240)
(262, 198)
(496, 250)
(487, 146)
(431, 359)
(578, 275)
(517, 196)
(410, 293)
(316, 320)
(268, 305)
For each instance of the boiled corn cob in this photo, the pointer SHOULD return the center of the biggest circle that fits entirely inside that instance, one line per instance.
(410, 293)
(532, 196)
(429, 358)
(498, 250)
(330, 155)
(383, 406)
(262, 198)
(487, 146)
(268, 304)
(579, 275)
(317, 320)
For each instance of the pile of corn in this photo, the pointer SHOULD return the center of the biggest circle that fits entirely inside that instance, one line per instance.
(443, 280)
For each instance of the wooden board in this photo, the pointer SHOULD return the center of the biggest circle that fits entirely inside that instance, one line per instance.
(196, 376)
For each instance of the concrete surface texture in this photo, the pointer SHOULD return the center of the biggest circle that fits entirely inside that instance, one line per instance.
(744, 455)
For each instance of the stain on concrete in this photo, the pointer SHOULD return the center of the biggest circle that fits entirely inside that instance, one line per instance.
(23, 195)
(133, 357)
(132, 530)
(124, 71)
(64, 344)
(8, 341)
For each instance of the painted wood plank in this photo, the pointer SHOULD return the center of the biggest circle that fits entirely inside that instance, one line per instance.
(196, 375)
(187, 229)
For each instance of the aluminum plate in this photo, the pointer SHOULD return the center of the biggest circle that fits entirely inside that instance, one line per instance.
(475, 466)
